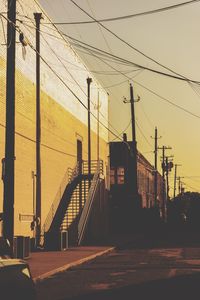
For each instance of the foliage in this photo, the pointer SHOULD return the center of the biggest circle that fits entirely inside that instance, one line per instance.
(185, 208)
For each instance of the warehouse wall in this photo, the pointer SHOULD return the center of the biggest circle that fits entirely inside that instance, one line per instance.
(63, 117)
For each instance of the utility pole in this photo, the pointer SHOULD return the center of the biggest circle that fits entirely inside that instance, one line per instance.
(132, 113)
(38, 17)
(8, 196)
(168, 166)
(175, 178)
(179, 183)
(133, 171)
(89, 80)
(163, 148)
(97, 107)
(134, 143)
(156, 166)
(167, 178)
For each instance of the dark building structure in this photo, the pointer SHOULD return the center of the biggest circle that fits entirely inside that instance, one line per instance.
(127, 203)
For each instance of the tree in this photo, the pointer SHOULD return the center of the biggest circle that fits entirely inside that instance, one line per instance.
(185, 208)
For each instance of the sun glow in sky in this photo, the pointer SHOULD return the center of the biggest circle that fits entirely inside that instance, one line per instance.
(171, 38)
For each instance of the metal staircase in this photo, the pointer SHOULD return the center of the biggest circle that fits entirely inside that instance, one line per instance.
(84, 218)
(68, 205)
(76, 204)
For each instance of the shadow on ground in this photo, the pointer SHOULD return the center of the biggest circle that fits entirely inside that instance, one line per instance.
(180, 287)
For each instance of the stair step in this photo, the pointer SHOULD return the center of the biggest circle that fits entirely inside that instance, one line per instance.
(73, 209)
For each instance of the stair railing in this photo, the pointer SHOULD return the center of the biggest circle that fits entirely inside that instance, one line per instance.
(88, 205)
(95, 164)
(68, 177)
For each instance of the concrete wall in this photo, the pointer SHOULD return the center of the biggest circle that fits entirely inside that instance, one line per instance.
(63, 117)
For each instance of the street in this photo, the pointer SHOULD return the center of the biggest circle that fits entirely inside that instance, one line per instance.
(148, 268)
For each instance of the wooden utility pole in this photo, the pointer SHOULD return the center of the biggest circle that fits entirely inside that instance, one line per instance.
(156, 166)
(133, 182)
(175, 178)
(163, 148)
(132, 113)
(179, 183)
(8, 196)
(134, 143)
(167, 178)
(98, 137)
(89, 80)
(38, 17)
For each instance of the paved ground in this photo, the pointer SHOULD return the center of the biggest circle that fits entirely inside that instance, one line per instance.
(45, 264)
(142, 271)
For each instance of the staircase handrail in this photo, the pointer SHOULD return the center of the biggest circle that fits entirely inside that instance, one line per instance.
(88, 205)
(67, 178)
(95, 164)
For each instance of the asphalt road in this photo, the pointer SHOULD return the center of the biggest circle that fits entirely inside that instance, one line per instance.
(148, 269)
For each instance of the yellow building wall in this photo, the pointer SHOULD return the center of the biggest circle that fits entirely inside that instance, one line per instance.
(59, 133)
(63, 116)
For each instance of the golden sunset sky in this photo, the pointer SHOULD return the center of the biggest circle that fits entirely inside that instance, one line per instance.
(169, 37)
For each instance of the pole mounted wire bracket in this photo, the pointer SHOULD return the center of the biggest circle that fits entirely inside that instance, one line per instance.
(129, 101)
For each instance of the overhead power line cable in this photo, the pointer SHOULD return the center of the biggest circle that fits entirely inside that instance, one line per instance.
(63, 82)
(163, 98)
(145, 13)
(131, 62)
(123, 130)
(125, 42)
(107, 128)
(156, 94)
(120, 59)
(168, 101)
(103, 72)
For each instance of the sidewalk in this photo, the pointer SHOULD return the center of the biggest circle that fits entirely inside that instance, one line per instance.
(45, 264)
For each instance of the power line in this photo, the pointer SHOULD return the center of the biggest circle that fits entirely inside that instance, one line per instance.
(71, 90)
(76, 81)
(127, 43)
(142, 133)
(59, 151)
(193, 188)
(163, 98)
(123, 130)
(130, 62)
(54, 72)
(61, 33)
(159, 10)
(79, 100)
(44, 145)
(137, 83)
(119, 59)
(168, 101)
(156, 94)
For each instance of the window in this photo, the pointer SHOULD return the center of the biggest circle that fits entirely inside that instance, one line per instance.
(112, 176)
(120, 175)
(117, 175)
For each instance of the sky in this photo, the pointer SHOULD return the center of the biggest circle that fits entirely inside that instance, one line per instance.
(171, 38)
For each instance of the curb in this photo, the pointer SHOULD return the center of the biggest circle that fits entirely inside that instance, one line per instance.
(72, 264)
